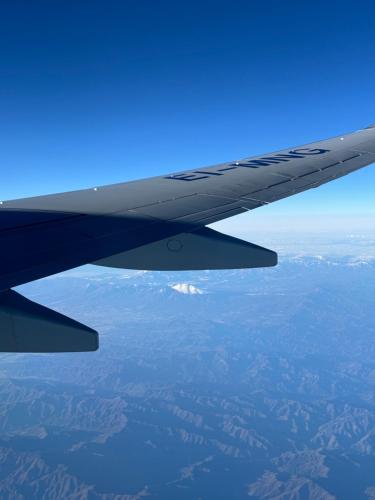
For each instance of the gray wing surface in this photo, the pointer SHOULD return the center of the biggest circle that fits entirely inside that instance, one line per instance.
(159, 223)
(206, 195)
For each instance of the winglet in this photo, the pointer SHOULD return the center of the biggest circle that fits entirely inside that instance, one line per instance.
(26, 326)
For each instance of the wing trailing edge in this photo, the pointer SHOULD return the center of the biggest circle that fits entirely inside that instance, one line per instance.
(201, 250)
(26, 326)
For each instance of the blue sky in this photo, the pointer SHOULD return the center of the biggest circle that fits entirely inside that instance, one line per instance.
(95, 92)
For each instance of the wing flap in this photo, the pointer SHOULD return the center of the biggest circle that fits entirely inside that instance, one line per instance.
(182, 207)
(26, 326)
(313, 178)
(316, 164)
(203, 249)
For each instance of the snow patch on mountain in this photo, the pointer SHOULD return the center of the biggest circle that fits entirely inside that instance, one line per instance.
(361, 261)
(187, 289)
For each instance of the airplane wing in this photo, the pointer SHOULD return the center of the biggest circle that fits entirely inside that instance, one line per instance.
(159, 223)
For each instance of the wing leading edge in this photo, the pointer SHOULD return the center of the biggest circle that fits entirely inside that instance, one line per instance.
(130, 224)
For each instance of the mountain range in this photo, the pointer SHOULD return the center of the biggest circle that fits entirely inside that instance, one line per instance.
(225, 385)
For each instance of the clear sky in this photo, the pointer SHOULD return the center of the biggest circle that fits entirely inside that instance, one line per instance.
(96, 92)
